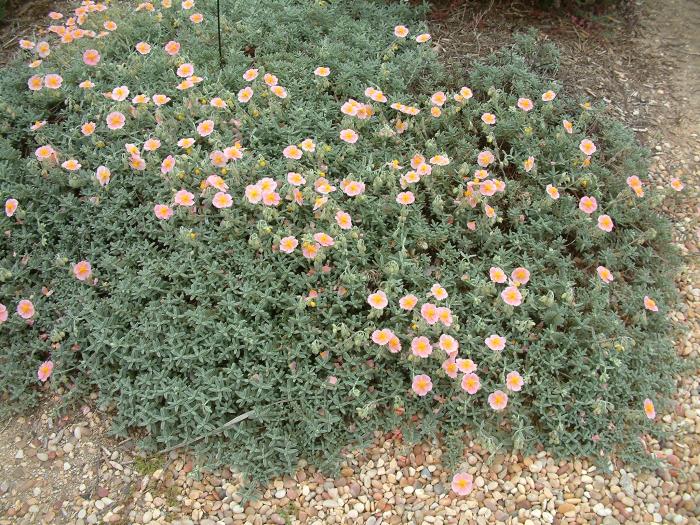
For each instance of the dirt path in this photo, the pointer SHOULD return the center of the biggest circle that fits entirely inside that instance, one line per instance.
(67, 470)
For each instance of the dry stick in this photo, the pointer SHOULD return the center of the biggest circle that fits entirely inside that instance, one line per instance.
(226, 425)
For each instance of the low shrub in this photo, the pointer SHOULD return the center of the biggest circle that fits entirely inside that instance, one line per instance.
(196, 253)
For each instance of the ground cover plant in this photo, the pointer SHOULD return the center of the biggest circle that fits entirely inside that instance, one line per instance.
(327, 236)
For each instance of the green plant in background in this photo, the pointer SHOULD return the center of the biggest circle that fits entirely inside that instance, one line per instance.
(197, 252)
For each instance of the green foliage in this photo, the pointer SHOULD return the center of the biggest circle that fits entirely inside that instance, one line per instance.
(197, 319)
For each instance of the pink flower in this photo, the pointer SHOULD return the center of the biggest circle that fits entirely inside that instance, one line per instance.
(91, 57)
(82, 270)
(514, 381)
(438, 292)
(162, 211)
(324, 239)
(422, 384)
(512, 296)
(605, 275)
(25, 309)
(205, 128)
(408, 302)
(525, 104)
(421, 347)
(11, 206)
(184, 198)
(649, 409)
(588, 205)
(3, 313)
(495, 342)
(448, 344)
(382, 337)
(353, 188)
(405, 198)
(349, 136)
(466, 366)
(344, 220)
(498, 400)
(116, 120)
(605, 223)
(497, 275)
(288, 244)
(430, 313)
(449, 365)
(377, 300)
(587, 147)
(520, 275)
(471, 383)
(222, 200)
(45, 370)
(462, 484)
(445, 315)
(394, 345)
(650, 304)
(292, 152)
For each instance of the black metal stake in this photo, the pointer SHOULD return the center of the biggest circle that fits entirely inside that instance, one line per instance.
(218, 28)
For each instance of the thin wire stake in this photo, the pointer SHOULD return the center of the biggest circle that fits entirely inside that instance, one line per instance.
(218, 28)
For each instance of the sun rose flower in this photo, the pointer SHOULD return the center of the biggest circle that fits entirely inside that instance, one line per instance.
(548, 96)
(324, 239)
(429, 312)
(587, 147)
(45, 371)
(421, 347)
(528, 164)
(25, 309)
(405, 198)
(438, 292)
(222, 200)
(422, 38)
(11, 206)
(495, 342)
(184, 198)
(71, 165)
(408, 302)
(185, 70)
(552, 192)
(471, 383)
(3, 313)
(450, 367)
(271, 198)
(310, 251)
(650, 304)
(422, 384)
(53, 81)
(116, 120)
(322, 71)
(82, 270)
(649, 409)
(292, 152)
(588, 205)
(605, 223)
(448, 344)
(677, 184)
(172, 48)
(205, 128)
(35, 82)
(377, 300)
(466, 366)
(382, 337)
(525, 104)
(143, 48)
(45, 152)
(512, 296)
(253, 193)
(344, 220)
(288, 244)
(349, 136)
(160, 100)
(445, 316)
(514, 381)
(91, 57)
(498, 400)
(520, 275)
(162, 211)
(462, 484)
(485, 158)
(488, 118)
(400, 31)
(605, 275)
(354, 188)
(497, 275)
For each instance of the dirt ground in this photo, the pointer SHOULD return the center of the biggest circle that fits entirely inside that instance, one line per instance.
(645, 63)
